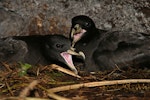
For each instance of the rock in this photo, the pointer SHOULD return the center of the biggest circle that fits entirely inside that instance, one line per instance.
(11, 24)
(32, 17)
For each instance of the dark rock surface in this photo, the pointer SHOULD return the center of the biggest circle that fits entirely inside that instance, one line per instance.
(10, 23)
(31, 17)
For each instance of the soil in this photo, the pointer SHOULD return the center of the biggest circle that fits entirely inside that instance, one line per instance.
(15, 83)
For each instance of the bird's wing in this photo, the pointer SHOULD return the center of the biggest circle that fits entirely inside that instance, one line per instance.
(112, 40)
(122, 48)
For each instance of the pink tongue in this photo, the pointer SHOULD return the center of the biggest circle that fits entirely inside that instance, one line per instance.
(79, 35)
(68, 58)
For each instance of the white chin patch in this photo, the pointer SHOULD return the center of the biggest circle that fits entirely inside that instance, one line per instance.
(68, 58)
(77, 36)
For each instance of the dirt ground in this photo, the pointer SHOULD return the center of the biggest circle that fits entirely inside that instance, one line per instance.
(19, 82)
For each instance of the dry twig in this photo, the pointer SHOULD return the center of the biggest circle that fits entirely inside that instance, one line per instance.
(25, 92)
(59, 68)
(94, 84)
(9, 88)
(57, 97)
(25, 98)
(6, 66)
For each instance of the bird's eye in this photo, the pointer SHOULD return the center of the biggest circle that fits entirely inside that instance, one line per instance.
(59, 45)
(87, 24)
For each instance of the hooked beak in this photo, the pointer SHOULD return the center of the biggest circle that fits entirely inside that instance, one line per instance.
(72, 52)
(75, 30)
(68, 60)
(76, 33)
(67, 56)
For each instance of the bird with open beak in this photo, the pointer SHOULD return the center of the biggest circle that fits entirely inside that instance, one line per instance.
(49, 49)
(57, 49)
(85, 38)
(104, 50)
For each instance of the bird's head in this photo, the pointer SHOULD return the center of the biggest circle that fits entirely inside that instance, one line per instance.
(82, 26)
(56, 48)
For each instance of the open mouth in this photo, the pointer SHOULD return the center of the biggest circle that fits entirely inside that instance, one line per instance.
(67, 56)
(77, 32)
(77, 36)
(68, 59)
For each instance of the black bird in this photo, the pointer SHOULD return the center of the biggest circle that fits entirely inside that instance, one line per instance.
(56, 49)
(84, 30)
(105, 49)
(12, 50)
(50, 48)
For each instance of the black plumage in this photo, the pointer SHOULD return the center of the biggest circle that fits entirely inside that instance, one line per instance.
(55, 48)
(105, 49)
(83, 29)
(48, 49)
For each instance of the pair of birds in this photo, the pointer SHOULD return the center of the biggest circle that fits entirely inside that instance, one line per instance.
(104, 50)
(101, 49)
